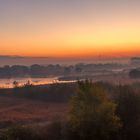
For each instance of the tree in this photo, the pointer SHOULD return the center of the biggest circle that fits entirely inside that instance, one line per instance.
(92, 114)
(129, 111)
(15, 84)
(135, 73)
(28, 84)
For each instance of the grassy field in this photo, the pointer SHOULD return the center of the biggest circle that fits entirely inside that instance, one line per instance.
(26, 112)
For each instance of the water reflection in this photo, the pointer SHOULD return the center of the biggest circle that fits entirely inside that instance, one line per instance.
(8, 83)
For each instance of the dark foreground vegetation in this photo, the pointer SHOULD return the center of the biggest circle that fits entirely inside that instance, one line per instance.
(135, 73)
(98, 111)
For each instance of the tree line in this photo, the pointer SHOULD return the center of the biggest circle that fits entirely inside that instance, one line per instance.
(51, 70)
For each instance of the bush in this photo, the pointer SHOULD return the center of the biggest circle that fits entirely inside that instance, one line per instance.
(20, 133)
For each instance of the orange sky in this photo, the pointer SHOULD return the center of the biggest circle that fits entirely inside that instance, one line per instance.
(70, 29)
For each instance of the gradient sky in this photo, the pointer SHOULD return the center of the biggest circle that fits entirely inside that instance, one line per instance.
(60, 28)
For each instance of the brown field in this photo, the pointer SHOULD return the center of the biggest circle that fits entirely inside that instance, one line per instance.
(24, 111)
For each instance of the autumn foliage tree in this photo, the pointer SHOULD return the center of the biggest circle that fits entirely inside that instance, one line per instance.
(92, 114)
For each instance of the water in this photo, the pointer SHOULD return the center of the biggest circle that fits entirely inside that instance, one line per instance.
(8, 83)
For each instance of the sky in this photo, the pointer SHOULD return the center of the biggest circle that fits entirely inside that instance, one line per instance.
(70, 28)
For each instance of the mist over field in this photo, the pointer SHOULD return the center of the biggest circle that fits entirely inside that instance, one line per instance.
(21, 60)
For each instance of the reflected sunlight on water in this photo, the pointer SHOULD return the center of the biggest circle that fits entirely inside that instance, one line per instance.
(8, 83)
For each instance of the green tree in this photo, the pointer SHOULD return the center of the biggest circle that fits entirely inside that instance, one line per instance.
(92, 114)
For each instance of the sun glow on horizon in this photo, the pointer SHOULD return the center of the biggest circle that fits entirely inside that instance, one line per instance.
(55, 30)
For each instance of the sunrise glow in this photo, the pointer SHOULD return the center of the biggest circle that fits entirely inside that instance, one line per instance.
(69, 29)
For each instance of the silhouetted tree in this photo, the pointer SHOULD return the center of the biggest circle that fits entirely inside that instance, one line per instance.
(129, 111)
(135, 73)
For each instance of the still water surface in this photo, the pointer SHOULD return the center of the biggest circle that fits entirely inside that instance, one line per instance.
(8, 83)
